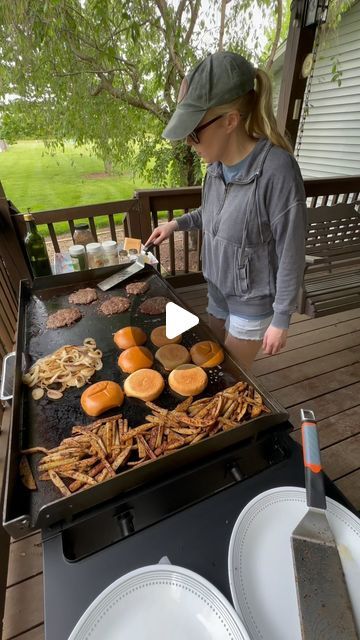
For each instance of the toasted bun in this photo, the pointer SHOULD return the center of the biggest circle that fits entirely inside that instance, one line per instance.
(129, 337)
(101, 397)
(158, 337)
(172, 356)
(207, 354)
(188, 380)
(135, 358)
(146, 384)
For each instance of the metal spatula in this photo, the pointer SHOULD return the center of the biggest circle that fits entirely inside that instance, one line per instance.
(126, 273)
(324, 604)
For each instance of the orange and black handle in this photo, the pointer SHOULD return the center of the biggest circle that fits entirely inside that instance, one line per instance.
(314, 479)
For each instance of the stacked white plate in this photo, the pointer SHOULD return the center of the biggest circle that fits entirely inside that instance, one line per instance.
(261, 569)
(159, 602)
(163, 601)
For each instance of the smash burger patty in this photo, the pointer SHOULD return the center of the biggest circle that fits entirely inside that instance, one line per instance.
(115, 305)
(136, 288)
(153, 306)
(63, 318)
(83, 296)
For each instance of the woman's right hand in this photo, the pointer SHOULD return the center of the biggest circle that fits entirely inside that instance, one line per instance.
(162, 233)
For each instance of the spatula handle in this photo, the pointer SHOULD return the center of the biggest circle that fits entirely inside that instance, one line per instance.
(314, 479)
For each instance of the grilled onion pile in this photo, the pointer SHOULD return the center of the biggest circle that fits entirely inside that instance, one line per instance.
(69, 366)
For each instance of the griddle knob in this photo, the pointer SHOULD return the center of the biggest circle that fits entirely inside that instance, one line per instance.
(236, 472)
(126, 523)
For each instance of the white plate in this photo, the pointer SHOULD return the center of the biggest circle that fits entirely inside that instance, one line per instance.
(159, 602)
(261, 569)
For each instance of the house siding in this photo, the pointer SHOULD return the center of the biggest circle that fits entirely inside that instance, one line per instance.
(331, 137)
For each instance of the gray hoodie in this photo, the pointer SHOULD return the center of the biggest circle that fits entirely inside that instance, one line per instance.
(254, 233)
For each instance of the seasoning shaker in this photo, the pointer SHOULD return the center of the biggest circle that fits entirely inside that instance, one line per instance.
(123, 256)
(110, 253)
(78, 257)
(95, 255)
(133, 254)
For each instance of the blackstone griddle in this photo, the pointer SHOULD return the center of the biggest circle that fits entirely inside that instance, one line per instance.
(182, 506)
(46, 422)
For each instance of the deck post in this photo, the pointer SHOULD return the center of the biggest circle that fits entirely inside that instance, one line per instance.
(299, 44)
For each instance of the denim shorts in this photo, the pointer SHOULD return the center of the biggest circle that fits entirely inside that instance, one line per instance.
(238, 326)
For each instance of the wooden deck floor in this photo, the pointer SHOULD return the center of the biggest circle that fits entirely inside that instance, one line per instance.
(319, 369)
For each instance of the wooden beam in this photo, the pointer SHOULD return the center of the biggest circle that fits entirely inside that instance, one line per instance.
(300, 42)
(10, 248)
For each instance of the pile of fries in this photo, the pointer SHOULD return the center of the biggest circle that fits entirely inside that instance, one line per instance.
(95, 453)
(69, 366)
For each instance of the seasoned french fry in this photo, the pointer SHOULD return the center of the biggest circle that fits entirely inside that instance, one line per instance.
(121, 458)
(75, 486)
(26, 474)
(148, 451)
(230, 409)
(56, 480)
(140, 445)
(198, 438)
(56, 464)
(136, 431)
(184, 405)
(76, 475)
(103, 475)
(151, 438)
(136, 463)
(34, 450)
(159, 436)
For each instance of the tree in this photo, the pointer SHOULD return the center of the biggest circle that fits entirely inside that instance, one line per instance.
(107, 72)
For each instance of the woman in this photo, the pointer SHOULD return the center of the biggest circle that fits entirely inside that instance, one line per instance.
(253, 211)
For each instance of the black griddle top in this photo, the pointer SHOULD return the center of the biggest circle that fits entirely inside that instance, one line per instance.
(46, 422)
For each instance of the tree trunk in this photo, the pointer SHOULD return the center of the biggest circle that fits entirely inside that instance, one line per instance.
(108, 166)
(192, 179)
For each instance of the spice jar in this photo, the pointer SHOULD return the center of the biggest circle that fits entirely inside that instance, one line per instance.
(110, 253)
(133, 254)
(95, 255)
(82, 234)
(78, 257)
(123, 256)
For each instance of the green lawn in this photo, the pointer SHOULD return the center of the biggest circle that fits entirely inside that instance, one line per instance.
(34, 179)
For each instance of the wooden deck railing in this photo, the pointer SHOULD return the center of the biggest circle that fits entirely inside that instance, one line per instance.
(140, 215)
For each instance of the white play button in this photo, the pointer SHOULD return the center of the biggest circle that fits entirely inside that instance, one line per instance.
(178, 320)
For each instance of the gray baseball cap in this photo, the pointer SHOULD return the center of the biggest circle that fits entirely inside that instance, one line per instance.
(220, 78)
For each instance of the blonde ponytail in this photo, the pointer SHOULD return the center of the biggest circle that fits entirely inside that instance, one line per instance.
(256, 110)
(261, 120)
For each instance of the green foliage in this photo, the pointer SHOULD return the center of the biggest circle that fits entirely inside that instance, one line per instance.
(106, 73)
(335, 12)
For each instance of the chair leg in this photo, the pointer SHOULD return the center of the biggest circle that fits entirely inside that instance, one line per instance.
(301, 301)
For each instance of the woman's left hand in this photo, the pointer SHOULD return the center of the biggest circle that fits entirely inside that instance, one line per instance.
(274, 340)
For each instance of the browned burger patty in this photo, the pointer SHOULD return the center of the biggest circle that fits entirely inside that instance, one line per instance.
(115, 305)
(153, 306)
(63, 318)
(83, 296)
(136, 288)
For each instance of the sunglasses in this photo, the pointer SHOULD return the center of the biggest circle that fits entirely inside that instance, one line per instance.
(194, 135)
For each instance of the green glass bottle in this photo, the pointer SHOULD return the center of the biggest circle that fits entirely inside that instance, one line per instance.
(36, 248)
